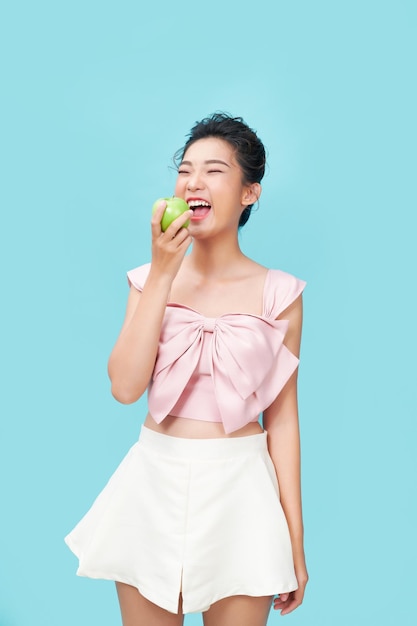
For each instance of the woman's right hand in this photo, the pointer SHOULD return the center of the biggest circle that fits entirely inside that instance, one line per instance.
(133, 357)
(169, 247)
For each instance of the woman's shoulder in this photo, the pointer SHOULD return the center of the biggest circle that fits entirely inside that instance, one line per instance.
(281, 290)
(138, 275)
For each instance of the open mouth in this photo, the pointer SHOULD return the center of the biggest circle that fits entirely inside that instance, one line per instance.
(200, 208)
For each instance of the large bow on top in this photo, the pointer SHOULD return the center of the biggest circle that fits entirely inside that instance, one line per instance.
(248, 361)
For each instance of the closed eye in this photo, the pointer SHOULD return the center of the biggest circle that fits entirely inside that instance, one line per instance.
(183, 172)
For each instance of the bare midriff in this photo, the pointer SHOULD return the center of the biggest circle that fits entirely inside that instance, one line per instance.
(198, 429)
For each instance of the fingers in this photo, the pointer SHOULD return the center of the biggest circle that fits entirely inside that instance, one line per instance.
(169, 247)
(157, 217)
(175, 235)
(283, 597)
(175, 225)
(287, 602)
(178, 238)
(285, 606)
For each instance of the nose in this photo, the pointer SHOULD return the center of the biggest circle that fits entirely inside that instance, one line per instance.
(194, 182)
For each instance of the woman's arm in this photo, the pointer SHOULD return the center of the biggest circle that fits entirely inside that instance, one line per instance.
(133, 357)
(281, 422)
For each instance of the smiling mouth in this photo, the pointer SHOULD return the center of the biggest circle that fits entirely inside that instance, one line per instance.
(200, 208)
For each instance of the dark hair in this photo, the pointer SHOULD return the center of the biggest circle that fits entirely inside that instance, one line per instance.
(249, 149)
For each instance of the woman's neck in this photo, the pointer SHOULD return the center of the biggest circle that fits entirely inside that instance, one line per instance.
(216, 260)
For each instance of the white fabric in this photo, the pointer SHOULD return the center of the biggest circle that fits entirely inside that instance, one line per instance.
(201, 516)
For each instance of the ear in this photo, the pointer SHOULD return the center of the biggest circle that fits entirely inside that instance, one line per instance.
(251, 194)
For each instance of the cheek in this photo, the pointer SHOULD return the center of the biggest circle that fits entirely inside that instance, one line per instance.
(179, 187)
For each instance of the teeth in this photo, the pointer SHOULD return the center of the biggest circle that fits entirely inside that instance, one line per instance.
(195, 203)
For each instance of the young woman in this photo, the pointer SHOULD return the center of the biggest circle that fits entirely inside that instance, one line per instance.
(204, 513)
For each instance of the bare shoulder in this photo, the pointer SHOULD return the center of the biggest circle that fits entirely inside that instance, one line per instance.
(253, 268)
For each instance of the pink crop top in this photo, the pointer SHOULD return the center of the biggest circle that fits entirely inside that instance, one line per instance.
(225, 369)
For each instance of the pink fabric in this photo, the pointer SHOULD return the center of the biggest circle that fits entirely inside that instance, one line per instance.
(228, 368)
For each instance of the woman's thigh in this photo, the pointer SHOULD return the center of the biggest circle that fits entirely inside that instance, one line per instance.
(138, 611)
(241, 610)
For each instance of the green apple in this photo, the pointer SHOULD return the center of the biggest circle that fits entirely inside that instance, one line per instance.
(175, 207)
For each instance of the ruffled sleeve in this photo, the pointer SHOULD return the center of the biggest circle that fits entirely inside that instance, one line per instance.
(281, 290)
(138, 276)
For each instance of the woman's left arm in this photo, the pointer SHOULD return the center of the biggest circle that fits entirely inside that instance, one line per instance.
(281, 422)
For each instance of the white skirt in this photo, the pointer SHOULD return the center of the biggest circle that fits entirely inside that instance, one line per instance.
(196, 516)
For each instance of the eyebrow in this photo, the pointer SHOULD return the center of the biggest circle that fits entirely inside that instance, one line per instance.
(208, 162)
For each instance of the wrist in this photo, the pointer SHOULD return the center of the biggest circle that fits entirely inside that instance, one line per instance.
(298, 554)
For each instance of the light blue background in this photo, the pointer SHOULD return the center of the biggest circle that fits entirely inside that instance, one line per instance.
(96, 97)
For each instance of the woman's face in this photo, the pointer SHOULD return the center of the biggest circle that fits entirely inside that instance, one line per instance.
(211, 181)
